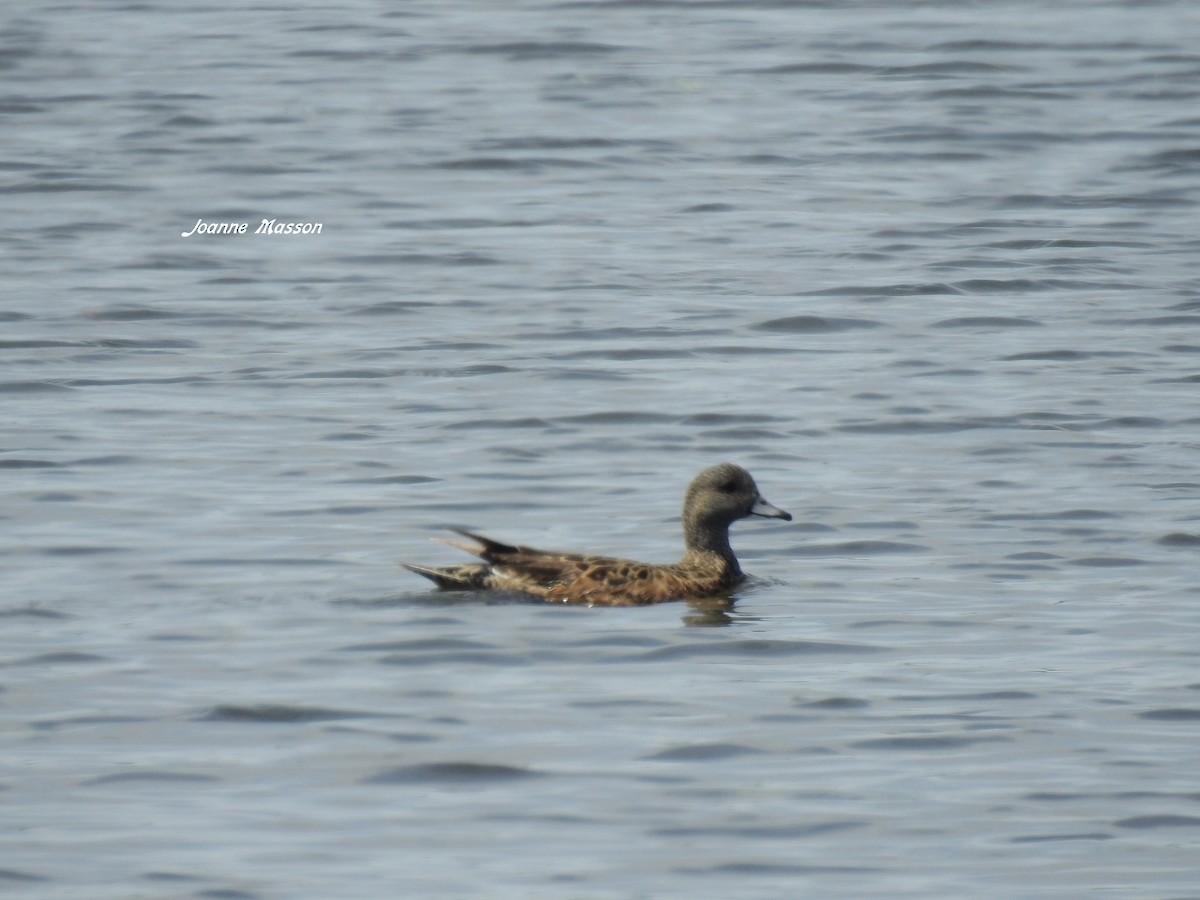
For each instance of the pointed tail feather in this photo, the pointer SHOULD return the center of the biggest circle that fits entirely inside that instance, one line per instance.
(472, 576)
(486, 547)
(453, 578)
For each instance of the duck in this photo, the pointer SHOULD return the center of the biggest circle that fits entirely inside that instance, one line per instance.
(716, 498)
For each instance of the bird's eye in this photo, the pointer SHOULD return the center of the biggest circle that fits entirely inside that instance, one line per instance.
(728, 486)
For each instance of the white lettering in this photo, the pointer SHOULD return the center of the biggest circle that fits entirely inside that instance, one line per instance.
(202, 227)
(266, 226)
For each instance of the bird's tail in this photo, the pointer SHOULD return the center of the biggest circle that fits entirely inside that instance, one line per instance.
(453, 578)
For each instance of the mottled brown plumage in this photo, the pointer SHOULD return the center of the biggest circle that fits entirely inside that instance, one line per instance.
(715, 499)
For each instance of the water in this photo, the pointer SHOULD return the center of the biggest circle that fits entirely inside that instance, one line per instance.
(926, 269)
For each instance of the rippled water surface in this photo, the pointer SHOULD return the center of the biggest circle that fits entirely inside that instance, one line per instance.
(927, 269)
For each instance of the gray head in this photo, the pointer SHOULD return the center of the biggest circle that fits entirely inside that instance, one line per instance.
(718, 497)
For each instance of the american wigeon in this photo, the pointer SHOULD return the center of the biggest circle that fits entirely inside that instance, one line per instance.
(716, 498)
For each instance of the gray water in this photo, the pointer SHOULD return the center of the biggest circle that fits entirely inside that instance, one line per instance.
(927, 269)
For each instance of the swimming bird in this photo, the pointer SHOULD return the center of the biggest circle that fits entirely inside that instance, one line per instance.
(716, 498)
